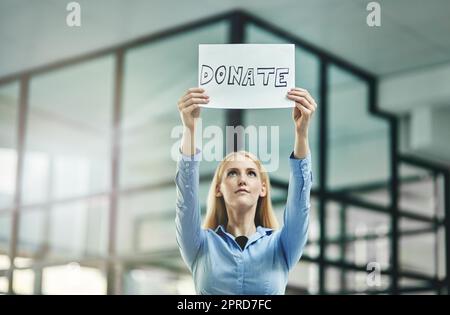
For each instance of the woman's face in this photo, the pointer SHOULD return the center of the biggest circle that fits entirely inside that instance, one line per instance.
(241, 184)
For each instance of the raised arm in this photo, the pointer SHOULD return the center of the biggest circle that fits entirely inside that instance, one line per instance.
(294, 234)
(188, 217)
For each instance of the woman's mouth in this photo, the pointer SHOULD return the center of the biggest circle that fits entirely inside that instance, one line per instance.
(242, 190)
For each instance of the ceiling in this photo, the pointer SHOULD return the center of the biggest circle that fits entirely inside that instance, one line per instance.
(413, 33)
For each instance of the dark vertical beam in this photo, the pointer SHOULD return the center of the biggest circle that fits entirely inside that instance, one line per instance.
(235, 117)
(323, 154)
(395, 183)
(111, 269)
(237, 28)
(447, 230)
(21, 130)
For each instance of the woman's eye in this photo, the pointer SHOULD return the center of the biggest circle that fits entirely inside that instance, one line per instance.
(231, 173)
(251, 173)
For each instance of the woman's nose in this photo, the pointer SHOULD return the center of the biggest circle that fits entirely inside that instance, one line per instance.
(242, 180)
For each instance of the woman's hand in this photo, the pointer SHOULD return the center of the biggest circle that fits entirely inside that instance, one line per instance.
(305, 106)
(189, 106)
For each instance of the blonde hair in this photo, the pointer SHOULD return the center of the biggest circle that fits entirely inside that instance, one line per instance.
(216, 210)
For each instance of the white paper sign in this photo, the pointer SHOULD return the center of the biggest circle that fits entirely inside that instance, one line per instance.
(247, 75)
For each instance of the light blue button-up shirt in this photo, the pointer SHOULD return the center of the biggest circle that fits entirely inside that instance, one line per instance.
(217, 262)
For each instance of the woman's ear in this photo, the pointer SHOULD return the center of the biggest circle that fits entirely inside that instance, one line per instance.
(218, 192)
(263, 190)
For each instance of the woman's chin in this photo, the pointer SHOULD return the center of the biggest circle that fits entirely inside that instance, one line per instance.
(244, 202)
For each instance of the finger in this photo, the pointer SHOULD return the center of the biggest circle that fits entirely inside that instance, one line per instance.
(299, 89)
(307, 112)
(192, 90)
(194, 101)
(190, 109)
(312, 100)
(301, 100)
(303, 93)
(189, 102)
(195, 90)
(192, 94)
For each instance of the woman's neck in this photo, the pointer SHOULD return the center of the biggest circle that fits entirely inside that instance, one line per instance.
(244, 225)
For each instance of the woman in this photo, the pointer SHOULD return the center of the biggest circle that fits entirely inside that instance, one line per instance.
(239, 250)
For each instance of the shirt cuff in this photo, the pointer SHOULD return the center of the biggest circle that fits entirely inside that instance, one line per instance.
(301, 166)
(189, 158)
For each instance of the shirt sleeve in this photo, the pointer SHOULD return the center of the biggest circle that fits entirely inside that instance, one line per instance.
(294, 234)
(189, 233)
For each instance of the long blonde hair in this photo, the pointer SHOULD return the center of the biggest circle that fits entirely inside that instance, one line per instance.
(216, 210)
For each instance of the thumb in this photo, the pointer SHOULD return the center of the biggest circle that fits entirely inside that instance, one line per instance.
(301, 110)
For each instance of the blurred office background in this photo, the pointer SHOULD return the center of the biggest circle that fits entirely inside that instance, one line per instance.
(86, 114)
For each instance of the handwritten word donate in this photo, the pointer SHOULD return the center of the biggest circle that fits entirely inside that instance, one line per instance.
(246, 76)
(233, 75)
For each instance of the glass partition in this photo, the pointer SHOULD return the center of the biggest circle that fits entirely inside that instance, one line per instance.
(9, 109)
(155, 77)
(68, 138)
(278, 122)
(422, 238)
(358, 142)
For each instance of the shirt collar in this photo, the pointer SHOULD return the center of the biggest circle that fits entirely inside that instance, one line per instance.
(260, 232)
